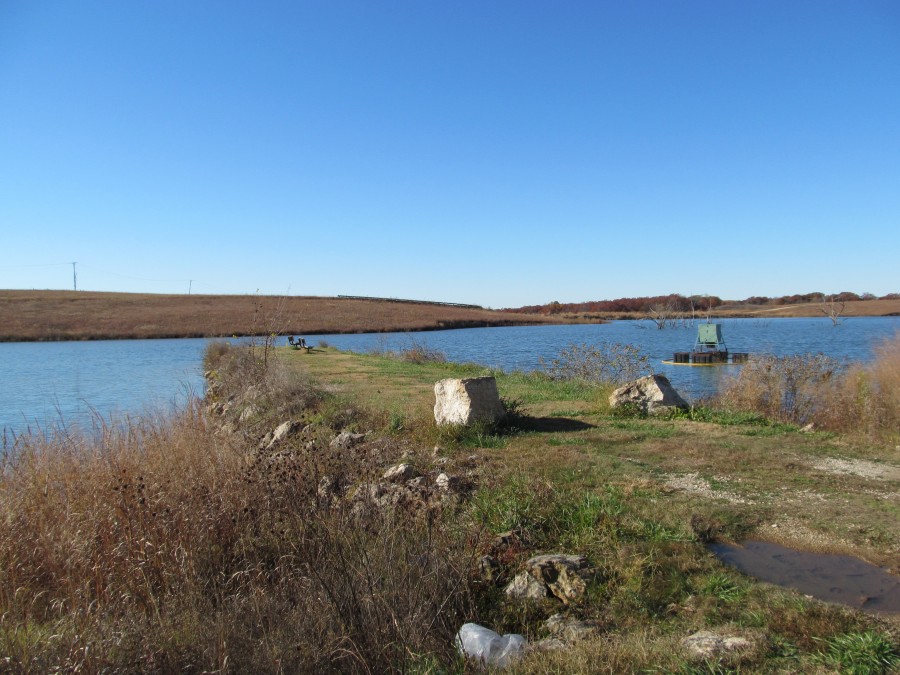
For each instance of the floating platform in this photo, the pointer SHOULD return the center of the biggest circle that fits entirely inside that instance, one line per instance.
(702, 359)
(709, 350)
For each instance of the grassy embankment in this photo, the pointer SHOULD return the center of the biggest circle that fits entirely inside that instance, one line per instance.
(184, 547)
(876, 307)
(84, 315)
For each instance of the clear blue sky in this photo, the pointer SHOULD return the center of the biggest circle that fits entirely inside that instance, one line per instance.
(500, 153)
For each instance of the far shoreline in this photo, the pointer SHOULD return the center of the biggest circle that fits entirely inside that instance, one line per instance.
(77, 316)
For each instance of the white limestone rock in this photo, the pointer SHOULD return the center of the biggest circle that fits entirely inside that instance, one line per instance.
(467, 400)
(653, 394)
(704, 645)
(401, 473)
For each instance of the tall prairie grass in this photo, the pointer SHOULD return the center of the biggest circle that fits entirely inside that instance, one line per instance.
(811, 388)
(169, 546)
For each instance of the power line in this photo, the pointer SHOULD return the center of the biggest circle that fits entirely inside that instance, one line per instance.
(18, 267)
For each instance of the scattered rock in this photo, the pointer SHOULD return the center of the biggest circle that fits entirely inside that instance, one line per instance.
(526, 587)
(467, 400)
(565, 576)
(329, 491)
(547, 645)
(346, 440)
(569, 629)
(506, 539)
(489, 648)
(417, 482)
(448, 483)
(506, 546)
(488, 568)
(248, 413)
(704, 645)
(652, 394)
(555, 575)
(282, 431)
(401, 473)
(381, 496)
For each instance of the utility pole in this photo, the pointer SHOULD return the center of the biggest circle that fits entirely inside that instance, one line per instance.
(74, 277)
(190, 283)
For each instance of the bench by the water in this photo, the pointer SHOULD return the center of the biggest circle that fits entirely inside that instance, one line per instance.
(299, 343)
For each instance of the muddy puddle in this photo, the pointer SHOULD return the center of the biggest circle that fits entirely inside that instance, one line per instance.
(832, 578)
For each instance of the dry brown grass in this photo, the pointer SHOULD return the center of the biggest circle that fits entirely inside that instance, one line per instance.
(867, 398)
(159, 547)
(861, 399)
(70, 315)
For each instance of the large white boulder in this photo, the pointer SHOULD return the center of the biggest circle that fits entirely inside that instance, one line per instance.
(468, 400)
(652, 394)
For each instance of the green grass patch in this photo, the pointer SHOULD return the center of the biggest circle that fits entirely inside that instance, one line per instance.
(860, 653)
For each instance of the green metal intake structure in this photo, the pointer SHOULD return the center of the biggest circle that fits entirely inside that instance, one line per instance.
(709, 350)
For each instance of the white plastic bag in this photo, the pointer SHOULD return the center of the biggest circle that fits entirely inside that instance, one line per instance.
(483, 644)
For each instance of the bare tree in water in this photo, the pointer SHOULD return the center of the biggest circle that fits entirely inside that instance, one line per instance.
(662, 314)
(833, 309)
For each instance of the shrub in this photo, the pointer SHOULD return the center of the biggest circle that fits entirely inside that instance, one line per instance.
(602, 363)
(814, 388)
(784, 388)
(867, 398)
(416, 352)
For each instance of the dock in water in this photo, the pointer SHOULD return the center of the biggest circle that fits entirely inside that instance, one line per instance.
(709, 350)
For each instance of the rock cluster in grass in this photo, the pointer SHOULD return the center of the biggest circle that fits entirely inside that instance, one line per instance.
(651, 395)
(556, 575)
(343, 469)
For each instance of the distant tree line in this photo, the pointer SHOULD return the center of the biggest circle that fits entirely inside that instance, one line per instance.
(689, 304)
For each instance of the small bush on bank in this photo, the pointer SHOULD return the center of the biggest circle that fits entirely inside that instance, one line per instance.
(813, 388)
(867, 397)
(602, 363)
(416, 352)
(783, 388)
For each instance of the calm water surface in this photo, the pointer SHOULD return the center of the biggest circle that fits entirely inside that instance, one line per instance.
(833, 578)
(44, 384)
(48, 384)
(523, 347)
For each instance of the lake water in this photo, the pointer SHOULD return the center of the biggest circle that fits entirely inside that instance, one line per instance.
(44, 384)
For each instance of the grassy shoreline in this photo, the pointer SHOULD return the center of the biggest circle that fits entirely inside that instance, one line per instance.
(198, 544)
(86, 315)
